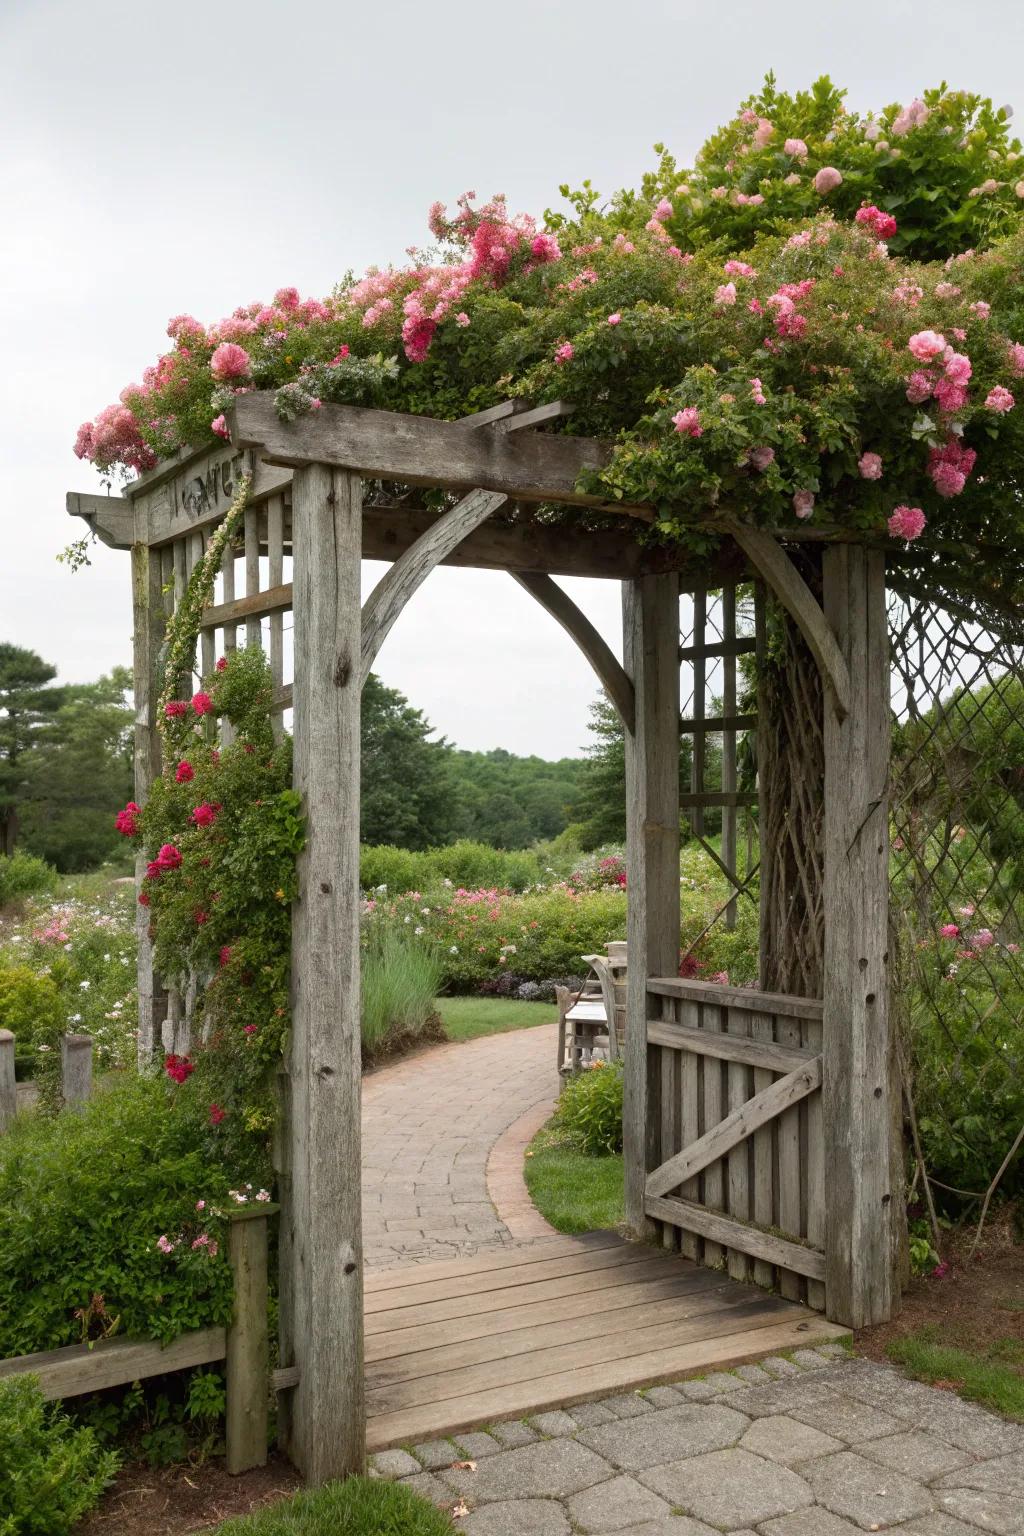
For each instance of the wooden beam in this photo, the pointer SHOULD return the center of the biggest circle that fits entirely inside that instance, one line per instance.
(325, 1418)
(554, 410)
(714, 723)
(738, 1234)
(412, 568)
(704, 798)
(650, 613)
(82, 1368)
(735, 1127)
(8, 1085)
(110, 517)
(859, 1283)
(739, 647)
(418, 450)
(149, 623)
(247, 1342)
(779, 1003)
(273, 600)
(574, 621)
(771, 562)
(764, 1054)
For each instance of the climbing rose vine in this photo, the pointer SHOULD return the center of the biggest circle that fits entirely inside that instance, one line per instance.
(819, 323)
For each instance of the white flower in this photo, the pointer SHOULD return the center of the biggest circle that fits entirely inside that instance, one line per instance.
(453, 949)
(16, 938)
(74, 1018)
(425, 911)
(418, 930)
(407, 918)
(263, 1196)
(83, 986)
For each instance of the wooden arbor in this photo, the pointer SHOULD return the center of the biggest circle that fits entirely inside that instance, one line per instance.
(742, 1107)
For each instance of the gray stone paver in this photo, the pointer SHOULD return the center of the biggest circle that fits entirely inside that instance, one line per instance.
(552, 1424)
(432, 1454)
(938, 1525)
(518, 1517)
(999, 1512)
(786, 1440)
(813, 1521)
(513, 1434)
(729, 1489)
(394, 1464)
(425, 1167)
(587, 1415)
(870, 1495)
(1003, 1474)
(627, 1405)
(920, 1455)
(669, 1525)
(845, 1419)
(477, 1443)
(549, 1469)
(614, 1505)
(664, 1397)
(666, 1435)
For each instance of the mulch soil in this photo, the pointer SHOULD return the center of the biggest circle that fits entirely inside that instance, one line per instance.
(175, 1501)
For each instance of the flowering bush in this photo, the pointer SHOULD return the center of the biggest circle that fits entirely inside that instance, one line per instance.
(772, 332)
(589, 1112)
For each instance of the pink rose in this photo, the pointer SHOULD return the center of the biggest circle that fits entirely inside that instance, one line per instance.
(803, 503)
(229, 361)
(926, 344)
(687, 422)
(615, 319)
(565, 353)
(760, 458)
(725, 294)
(796, 147)
(907, 523)
(999, 400)
(220, 426)
(870, 466)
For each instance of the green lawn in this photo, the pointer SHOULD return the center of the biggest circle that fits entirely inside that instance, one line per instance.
(467, 1017)
(992, 1375)
(360, 1507)
(575, 1193)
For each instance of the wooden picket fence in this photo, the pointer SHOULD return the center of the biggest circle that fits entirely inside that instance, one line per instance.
(243, 1346)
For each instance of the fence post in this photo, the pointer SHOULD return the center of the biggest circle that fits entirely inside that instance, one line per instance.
(247, 1358)
(76, 1068)
(8, 1087)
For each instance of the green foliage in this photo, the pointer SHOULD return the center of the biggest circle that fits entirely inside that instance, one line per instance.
(983, 1376)
(589, 1112)
(78, 771)
(574, 1191)
(84, 1199)
(465, 864)
(400, 980)
(404, 793)
(508, 801)
(22, 874)
(31, 1008)
(27, 703)
(51, 1473)
(361, 1506)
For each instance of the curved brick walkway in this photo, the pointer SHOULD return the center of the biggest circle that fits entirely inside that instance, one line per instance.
(429, 1126)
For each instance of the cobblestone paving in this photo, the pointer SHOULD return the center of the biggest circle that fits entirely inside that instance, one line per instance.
(813, 1445)
(429, 1124)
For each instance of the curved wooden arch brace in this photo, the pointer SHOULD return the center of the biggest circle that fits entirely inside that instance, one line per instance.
(770, 560)
(574, 621)
(411, 570)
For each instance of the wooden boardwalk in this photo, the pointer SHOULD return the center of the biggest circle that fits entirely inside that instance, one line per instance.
(456, 1345)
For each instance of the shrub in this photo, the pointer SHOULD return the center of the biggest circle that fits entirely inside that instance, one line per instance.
(84, 1200)
(51, 1473)
(400, 980)
(22, 874)
(30, 1005)
(465, 863)
(589, 1112)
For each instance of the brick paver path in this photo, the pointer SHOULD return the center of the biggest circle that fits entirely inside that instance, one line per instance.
(814, 1445)
(429, 1124)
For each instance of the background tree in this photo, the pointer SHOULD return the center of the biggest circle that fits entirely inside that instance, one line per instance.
(601, 804)
(77, 773)
(510, 801)
(405, 797)
(27, 704)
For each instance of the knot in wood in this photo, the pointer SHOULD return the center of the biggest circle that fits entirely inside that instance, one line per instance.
(342, 671)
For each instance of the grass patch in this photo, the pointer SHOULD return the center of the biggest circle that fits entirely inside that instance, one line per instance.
(574, 1192)
(992, 1375)
(361, 1506)
(467, 1017)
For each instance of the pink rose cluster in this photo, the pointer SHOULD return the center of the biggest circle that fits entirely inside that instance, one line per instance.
(127, 821)
(881, 224)
(687, 422)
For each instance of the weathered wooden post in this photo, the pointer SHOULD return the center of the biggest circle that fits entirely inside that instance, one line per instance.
(321, 1252)
(76, 1068)
(149, 622)
(8, 1086)
(247, 1359)
(651, 659)
(859, 1260)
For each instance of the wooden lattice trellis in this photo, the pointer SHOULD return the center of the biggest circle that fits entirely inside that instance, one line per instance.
(339, 486)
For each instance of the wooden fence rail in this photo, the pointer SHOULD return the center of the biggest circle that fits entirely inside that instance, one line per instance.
(243, 1346)
(76, 1073)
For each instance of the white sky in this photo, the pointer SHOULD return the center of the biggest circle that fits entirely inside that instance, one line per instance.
(189, 156)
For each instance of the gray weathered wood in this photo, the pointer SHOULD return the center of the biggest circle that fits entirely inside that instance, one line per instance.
(729, 728)
(563, 610)
(717, 648)
(701, 799)
(76, 1068)
(738, 1094)
(253, 627)
(698, 711)
(418, 450)
(651, 643)
(814, 1165)
(712, 1181)
(715, 723)
(762, 1030)
(275, 578)
(688, 1013)
(82, 1368)
(8, 1086)
(247, 1346)
(254, 605)
(149, 620)
(412, 568)
(736, 1234)
(325, 1420)
(753, 1053)
(856, 1112)
(726, 1133)
(739, 997)
(110, 517)
(771, 562)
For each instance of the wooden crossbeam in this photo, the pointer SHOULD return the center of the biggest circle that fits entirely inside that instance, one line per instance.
(718, 648)
(412, 568)
(754, 1053)
(254, 606)
(82, 1368)
(745, 1237)
(779, 1003)
(419, 450)
(714, 723)
(736, 1127)
(575, 623)
(703, 798)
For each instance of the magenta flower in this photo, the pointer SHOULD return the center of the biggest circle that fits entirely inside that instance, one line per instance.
(202, 703)
(999, 400)
(757, 392)
(229, 361)
(169, 857)
(204, 815)
(957, 367)
(949, 931)
(687, 422)
(907, 523)
(615, 319)
(983, 939)
(175, 709)
(546, 248)
(870, 466)
(565, 353)
(127, 821)
(663, 211)
(882, 225)
(185, 773)
(919, 387)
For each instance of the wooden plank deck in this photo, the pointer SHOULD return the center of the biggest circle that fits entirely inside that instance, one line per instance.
(456, 1345)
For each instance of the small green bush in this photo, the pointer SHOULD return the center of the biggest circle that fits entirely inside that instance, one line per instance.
(51, 1473)
(361, 1506)
(84, 1199)
(400, 980)
(589, 1112)
(30, 1005)
(465, 863)
(22, 874)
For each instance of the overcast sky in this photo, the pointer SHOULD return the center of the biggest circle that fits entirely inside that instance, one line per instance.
(191, 156)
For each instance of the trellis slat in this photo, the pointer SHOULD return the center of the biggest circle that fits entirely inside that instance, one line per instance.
(762, 1029)
(689, 1121)
(275, 579)
(787, 1031)
(751, 1052)
(738, 1083)
(253, 627)
(712, 1181)
(723, 1230)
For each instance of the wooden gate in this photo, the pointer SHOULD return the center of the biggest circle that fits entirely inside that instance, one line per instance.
(740, 1176)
